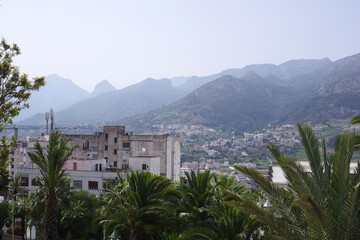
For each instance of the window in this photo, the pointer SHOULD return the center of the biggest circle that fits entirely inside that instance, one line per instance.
(96, 167)
(93, 185)
(106, 159)
(86, 145)
(34, 182)
(25, 181)
(75, 166)
(126, 144)
(115, 163)
(144, 167)
(106, 147)
(106, 136)
(115, 140)
(115, 151)
(77, 184)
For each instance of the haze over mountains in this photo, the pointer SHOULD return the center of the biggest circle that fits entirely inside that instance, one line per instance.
(60, 93)
(312, 90)
(237, 99)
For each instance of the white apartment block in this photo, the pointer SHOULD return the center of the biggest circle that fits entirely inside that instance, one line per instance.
(101, 156)
(158, 154)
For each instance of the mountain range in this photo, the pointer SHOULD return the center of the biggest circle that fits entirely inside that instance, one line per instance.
(235, 99)
(259, 95)
(59, 93)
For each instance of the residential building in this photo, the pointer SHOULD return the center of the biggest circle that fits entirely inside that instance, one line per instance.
(158, 154)
(102, 156)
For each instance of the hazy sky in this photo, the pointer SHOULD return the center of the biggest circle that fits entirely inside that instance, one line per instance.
(127, 41)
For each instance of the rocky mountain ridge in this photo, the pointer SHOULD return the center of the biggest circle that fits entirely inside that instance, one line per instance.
(250, 102)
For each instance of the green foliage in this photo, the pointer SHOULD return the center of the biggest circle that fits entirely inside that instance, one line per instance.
(4, 212)
(6, 149)
(52, 180)
(323, 204)
(15, 91)
(77, 217)
(15, 186)
(354, 121)
(201, 212)
(135, 207)
(15, 87)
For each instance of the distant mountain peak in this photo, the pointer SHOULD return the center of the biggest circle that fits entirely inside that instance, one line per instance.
(102, 87)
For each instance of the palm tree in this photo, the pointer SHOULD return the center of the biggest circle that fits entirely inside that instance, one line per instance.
(15, 187)
(52, 177)
(72, 215)
(191, 201)
(135, 207)
(322, 204)
(203, 212)
(78, 215)
(225, 223)
(354, 121)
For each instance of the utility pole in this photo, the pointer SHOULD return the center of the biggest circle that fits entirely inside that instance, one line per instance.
(52, 121)
(47, 122)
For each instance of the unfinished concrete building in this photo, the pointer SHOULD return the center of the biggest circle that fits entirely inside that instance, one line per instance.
(158, 154)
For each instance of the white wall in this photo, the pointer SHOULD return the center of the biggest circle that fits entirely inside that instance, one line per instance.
(153, 163)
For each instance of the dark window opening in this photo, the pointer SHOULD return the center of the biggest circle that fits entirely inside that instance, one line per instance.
(106, 159)
(93, 185)
(125, 166)
(115, 163)
(106, 136)
(144, 167)
(106, 147)
(86, 145)
(25, 181)
(115, 151)
(126, 144)
(34, 182)
(100, 167)
(115, 140)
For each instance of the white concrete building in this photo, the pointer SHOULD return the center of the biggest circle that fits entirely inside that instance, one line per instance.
(279, 179)
(92, 181)
(183, 171)
(158, 154)
(102, 155)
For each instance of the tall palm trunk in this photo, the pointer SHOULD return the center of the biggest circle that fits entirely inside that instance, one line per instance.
(52, 208)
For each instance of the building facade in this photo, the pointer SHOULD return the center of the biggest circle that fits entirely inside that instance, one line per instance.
(158, 154)
(103, 157)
